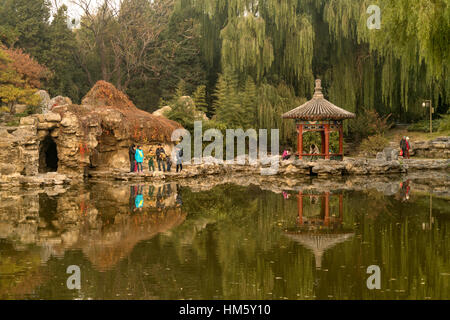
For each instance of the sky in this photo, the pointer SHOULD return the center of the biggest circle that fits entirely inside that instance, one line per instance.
(75, 11)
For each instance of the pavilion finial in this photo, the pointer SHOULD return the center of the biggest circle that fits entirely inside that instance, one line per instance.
(318, 89)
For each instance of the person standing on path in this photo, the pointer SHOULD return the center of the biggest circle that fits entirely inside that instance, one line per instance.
(179, 159)
(408, 146)
(403, 147)
(160, 152)
(139, 158)
(151, 163)
(169, 163)
(131, 154)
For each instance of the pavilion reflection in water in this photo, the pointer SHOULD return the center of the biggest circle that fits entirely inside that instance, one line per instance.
(319, 228)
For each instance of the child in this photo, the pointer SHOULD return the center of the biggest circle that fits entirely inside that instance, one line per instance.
(169, 163)
(151, 164)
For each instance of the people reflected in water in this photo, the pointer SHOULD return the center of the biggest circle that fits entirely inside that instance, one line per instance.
(405, 190)
(160, 197)
(178, 200)
(139, 200)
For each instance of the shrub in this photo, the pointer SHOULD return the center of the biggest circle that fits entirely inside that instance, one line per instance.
(368, 123)
(373, 144)
(424, 126)
(444, 124)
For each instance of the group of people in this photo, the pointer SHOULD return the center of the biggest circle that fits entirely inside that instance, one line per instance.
(404, 147)
(164, 161)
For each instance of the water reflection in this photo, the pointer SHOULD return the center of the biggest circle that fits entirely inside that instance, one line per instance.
(319, 230)
(166, 241)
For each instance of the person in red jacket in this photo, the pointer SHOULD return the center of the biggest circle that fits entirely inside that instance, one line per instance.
(407, 147)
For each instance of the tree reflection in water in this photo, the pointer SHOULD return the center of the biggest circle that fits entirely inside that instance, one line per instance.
(228, 242)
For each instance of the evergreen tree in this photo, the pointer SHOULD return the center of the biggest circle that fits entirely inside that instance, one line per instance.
(180, 91)
(67, 80)
(28, 21)
(199, 97)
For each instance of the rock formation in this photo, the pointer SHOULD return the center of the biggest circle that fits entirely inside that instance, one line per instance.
(73, 139)
(438, 148)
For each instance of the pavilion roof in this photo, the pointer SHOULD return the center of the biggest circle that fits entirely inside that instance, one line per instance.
(319, 243)
(318, 108)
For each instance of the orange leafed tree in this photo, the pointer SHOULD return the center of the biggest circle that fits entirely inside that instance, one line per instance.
(29, 69)
(20, 77)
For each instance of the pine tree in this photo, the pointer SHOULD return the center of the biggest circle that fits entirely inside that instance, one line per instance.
(67, 79)
(181, 89)
(199, 97)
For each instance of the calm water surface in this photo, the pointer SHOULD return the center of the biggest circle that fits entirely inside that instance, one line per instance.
(230, 242)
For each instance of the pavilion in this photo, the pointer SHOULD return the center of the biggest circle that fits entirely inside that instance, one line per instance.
(320, 115)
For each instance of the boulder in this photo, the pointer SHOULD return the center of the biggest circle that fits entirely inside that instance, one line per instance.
(52, 117)
(20, 108)
(388, 153)
(45, 100)
(394, 154)
(28, 121)
(381, 156)
(59, 101)
(163, 111)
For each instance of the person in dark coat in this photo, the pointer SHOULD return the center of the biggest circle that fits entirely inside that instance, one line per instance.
(131, 154)
(160, 157)
(179, 159)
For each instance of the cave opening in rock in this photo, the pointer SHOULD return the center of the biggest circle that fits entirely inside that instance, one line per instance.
(48, 156)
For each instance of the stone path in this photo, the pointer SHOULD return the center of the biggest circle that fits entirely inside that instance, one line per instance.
(290, 168)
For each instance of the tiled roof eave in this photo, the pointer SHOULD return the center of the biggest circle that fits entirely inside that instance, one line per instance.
(318, 117)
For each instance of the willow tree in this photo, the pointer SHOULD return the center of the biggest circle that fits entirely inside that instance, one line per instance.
(293, 41)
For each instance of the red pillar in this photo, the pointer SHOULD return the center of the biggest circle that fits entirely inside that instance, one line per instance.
(341, 141)
(327, 141)
(322, 135)
(300, 207)
(300, 141)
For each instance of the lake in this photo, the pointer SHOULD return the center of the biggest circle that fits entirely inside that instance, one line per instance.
(311, 240)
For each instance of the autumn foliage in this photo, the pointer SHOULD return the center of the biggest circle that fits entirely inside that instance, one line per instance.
(20, 77)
